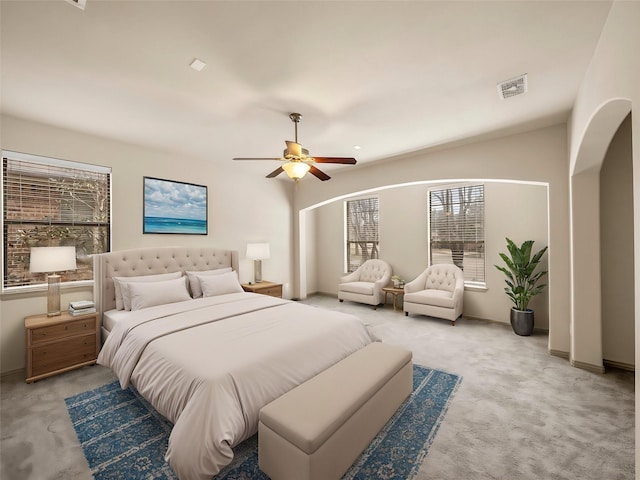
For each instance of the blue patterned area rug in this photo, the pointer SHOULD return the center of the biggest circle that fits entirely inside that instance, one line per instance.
(122, 436)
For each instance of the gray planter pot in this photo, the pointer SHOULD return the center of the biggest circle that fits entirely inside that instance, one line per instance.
(522, 321)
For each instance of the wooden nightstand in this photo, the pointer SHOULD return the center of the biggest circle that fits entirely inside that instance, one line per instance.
(265, 288)
(61, 343)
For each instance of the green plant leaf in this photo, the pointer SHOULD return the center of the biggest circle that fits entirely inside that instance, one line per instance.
(520, 272)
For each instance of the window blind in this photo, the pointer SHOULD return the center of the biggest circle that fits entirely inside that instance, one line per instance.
(50, 202)
(362, 217)
(456, 229)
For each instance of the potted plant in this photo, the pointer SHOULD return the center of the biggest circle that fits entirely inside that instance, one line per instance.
(522, 282)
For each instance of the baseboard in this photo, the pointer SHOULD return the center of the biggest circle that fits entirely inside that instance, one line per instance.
(588, 366)
(559, 353)
(621, 365)
(470, 317)
(498, 322)
(19, 371)
(322, 294)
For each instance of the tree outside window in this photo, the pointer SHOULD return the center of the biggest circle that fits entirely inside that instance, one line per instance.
(362, 217)
(456, 229)
(50, 202)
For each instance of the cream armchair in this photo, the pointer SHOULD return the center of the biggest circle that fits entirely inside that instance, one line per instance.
(365, 284)
(437, 292)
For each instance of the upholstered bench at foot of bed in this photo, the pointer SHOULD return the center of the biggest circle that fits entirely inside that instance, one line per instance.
(317, 430)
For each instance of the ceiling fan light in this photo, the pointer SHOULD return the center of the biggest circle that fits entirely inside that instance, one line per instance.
(295, 170)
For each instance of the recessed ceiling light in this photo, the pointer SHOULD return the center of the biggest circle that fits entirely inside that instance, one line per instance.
(357, 147)
(197, 64)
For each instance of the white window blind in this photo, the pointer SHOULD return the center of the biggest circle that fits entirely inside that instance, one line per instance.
(363, 243)
(50, 202)
(456, 229)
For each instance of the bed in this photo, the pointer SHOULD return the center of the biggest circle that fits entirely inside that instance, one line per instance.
(209, 364)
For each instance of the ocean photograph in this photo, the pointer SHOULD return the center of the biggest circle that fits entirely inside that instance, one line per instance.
(174, 207)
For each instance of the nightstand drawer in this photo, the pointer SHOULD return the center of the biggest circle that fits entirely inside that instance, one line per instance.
(56, 356)
(62, 330)
(272, 291)
(264, 288)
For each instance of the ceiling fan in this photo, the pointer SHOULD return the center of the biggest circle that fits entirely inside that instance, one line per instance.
(297, 161)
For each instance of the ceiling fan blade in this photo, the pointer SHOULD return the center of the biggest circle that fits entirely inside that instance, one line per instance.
(318, 173)
(270, 158)
(343, 160)
(276, 172)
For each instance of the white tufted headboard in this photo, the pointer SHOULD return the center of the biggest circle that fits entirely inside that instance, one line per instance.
(152, 261)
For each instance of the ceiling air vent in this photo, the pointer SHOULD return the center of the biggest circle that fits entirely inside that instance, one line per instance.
(78, 3)
(512, 87)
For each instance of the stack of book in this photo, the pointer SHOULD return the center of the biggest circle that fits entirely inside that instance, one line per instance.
(82, 307)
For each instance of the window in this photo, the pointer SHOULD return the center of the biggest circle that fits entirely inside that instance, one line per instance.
(50, 202)
(362, 231)
(456, 229)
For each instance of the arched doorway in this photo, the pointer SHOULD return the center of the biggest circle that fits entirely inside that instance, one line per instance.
(586, 272)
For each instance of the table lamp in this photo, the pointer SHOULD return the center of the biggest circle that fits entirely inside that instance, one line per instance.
(258, 252)
(52, 260)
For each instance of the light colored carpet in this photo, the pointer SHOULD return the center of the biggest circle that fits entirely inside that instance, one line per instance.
(518, 414)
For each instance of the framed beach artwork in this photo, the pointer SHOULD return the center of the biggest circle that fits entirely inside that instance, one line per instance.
(174, 207)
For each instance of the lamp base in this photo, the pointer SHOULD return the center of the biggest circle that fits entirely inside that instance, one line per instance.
(53, 295)
(257, 268)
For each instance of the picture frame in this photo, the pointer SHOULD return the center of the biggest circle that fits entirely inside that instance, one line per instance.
(174, 207)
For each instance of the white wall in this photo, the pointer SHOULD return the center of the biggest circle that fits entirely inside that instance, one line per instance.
(537, 156)
(613, 78)
(313, 262)
(518, 211)
(242, 209)
(609, 91)
(616, 249)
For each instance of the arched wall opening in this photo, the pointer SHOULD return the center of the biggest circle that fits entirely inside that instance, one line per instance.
(537, 156)
(616, 251)
(586, 241)
(404, 238)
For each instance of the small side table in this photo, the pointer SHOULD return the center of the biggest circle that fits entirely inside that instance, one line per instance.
(264, 287)
(61, 343)
(393, 291)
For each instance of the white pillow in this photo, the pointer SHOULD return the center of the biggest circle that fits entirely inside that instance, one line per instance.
(213, 285)
(149, 294)
(194, 283)
(123, 301)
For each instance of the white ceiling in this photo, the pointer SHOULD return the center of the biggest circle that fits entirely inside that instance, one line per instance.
(393, 77)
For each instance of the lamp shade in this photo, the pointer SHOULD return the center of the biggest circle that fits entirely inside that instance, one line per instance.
(296, 170)
(52, 259)
(258, 251)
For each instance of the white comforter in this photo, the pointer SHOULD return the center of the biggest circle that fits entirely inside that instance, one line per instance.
(209, 365)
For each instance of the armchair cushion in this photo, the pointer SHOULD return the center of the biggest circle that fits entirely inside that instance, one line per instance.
(364, 288)
(439, 298)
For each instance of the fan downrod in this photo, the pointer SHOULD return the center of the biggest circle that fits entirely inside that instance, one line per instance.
(295, 118)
